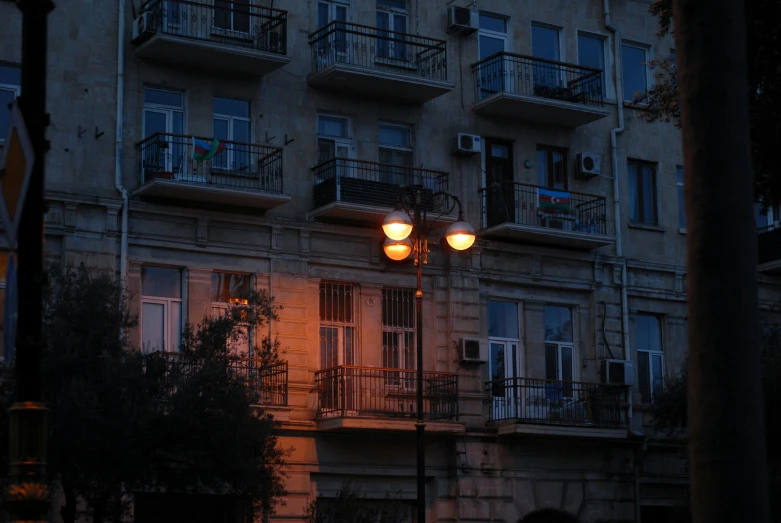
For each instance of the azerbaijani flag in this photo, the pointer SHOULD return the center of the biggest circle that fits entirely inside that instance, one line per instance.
(553, 201)
(204, 150)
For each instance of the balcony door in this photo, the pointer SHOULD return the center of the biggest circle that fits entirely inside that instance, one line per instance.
(333, 46)
(233, 17)
(392, 16)
(164, 156)
(545, 45)
(491, 39)
(231, 124)
(338, 346)
(504, 359)
(499, 188)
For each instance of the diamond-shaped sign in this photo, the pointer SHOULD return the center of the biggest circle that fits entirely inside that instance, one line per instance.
(16, 165)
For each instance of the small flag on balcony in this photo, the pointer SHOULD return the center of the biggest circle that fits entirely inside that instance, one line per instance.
(204, 150)
(553, 201)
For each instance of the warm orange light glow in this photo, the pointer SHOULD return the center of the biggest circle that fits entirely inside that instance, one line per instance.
(397, 225)
(460, 235)
(397, 249)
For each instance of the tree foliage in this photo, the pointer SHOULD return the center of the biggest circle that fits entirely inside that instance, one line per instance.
(351, 506)
(763, 89)
(122, 422)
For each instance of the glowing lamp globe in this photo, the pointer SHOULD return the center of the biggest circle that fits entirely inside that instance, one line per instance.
(397, 249)
(460, 235)
(397, 225)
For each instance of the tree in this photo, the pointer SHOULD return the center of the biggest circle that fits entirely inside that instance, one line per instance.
(122, 422)
(670, 407)
(350, 506)
(763, 90)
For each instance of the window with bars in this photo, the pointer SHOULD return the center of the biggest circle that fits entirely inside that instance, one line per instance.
(337, 325)
(398, 331)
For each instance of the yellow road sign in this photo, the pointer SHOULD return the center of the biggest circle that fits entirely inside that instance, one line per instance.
(16, 165)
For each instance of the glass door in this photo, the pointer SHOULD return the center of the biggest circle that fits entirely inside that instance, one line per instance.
(506, 385)
(499, 189)
(545, 45)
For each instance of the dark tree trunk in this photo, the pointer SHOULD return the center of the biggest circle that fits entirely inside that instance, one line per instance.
(726, 429)
(68, 510)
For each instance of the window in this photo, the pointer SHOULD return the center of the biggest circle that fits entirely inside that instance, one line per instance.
(231, 123)
(392, 16)
(161, 309)
(337, 325)
(545, 44)
(232, 16)
(766, 218)
(642, 192)
(504, 356)
(398, 333)
(552, 167)
(10, 88)
(633, 63)
(591, 53)
(681, 205)
(327, 12)
(650, 358)
(164, 113)
(492, 36)
(559, 348)
(395, 150)
(333, 138)
(231, 290)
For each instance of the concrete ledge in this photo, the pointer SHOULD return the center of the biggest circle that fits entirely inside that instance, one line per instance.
(386, 424)
(516, 428)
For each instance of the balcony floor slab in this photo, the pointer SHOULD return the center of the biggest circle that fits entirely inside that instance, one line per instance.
(187, 191)
(361, 423)
(539, 110)
(513, 427)
(547, 236)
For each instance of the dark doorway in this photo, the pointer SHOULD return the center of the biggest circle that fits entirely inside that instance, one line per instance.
(499, 188)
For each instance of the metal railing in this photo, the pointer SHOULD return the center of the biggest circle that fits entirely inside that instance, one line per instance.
(268, 384)
(514, 202)
(237, 165)
(557, 402)
(388, 393)
(372, 183)
(374, 48)
(240, 24)
(525, 75)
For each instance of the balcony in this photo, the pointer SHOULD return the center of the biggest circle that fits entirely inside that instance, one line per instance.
(267, 383)
(352, 398)
(769, 250)
(378, 64)
(220, 37)
(565, 408)
(358, 191)
(248, 175)
(527, 213)
(535, 90)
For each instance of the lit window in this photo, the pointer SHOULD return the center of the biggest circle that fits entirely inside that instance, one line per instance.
(161, 309)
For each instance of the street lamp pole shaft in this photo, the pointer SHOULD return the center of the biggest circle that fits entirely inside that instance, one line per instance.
(420, 425)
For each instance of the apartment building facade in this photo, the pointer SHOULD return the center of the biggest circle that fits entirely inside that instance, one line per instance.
(200, 149)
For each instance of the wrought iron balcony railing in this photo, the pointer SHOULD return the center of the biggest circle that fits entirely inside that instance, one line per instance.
(374, 48)
(523, 204)
(372, 183)
(557, 402)
(525, 75)
(268, 384)
(234, 165)
(387, 393)
(239, 24)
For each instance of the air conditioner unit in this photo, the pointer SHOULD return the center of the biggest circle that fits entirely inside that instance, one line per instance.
(616, 372)
(472, 350)
(143, 27)
(466, 144)
(587, 165)
(461, 20)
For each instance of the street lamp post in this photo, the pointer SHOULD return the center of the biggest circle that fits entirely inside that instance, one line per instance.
(398, 226)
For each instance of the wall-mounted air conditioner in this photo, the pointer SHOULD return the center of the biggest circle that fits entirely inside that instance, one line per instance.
(616, 372)
(587, 165)
(462, 20)
(143, 27)
(466, 144)
(472, 350)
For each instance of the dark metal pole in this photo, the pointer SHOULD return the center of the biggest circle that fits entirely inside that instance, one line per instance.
(420, 426)
(28, 496)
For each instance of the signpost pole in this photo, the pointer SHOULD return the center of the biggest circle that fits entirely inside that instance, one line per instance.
(28, 496)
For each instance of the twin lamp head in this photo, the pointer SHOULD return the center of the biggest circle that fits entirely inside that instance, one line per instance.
(398, 226)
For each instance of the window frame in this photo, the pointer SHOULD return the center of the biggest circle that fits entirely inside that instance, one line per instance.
(221, 308)
(605, 55)
(232, 153)
(504, 37)
(391, 53)
(167, 303)
(232, 9)
(559, 37)
(651, 354)
(638, 187)
(560, 345)
(549, 150)
(15, 89)
(396, 148)
(168, 110)
(405, 335)
(341, 326)
(337, 141)
(647, 52)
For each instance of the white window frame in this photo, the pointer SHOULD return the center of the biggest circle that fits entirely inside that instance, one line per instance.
(333, 5)
(565, 344)
(17, 91)
(606, 91)
(341, 327)
(505, 37)
(652, 354)
(168, 110)
(338, 141)
(407, 354)
(231, 156)
(170, 331)
(647, 49)
(392, 12)
(220, 308)
(391, 147)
